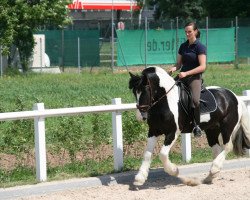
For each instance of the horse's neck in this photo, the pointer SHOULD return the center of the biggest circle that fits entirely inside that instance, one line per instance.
(166, 82)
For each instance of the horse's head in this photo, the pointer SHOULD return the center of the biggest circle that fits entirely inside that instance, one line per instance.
(146, 90)
(141, 91)
(150, 88)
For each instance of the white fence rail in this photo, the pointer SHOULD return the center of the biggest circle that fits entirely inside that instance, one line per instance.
(39, 114)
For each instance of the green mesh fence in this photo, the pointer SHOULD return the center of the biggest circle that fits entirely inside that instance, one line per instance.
(244, 42)
(221, 45)
(161, 46)
(62, 47)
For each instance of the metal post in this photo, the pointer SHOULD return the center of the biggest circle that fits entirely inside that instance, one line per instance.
(112, 37)
(176, 36)
(79, 60)
(117, 136)
(207, 38)
(40, 145)
(236, 42)
(146, 40)
(131, 12)
(62, 61)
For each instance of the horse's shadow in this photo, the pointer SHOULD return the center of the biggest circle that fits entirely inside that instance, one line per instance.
(157, 179)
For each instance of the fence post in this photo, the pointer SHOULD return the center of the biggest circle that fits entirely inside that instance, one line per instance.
(247, 93)
(186, 146)
(40, 145)
(117, 136)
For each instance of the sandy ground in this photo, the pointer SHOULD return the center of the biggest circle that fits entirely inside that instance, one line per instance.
(229, 185)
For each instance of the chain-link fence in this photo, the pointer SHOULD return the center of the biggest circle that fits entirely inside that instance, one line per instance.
(146, 41)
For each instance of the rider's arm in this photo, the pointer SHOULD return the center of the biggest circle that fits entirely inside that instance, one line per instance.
(201, 68)
(178, 64)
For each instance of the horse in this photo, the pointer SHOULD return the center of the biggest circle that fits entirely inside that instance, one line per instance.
(227, 127)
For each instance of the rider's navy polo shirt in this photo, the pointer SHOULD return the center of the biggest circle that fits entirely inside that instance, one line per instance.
(190, 54)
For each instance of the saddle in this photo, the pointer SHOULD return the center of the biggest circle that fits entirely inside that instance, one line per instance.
(207, 100)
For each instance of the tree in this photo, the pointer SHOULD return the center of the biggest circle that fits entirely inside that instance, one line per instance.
(20, 19)
(184, 9)
(227, 8)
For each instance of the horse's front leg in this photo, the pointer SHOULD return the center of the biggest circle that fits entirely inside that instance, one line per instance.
(169, 167)
(142, 175)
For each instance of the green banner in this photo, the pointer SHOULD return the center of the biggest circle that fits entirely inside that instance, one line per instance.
(244, 42)
(62, 47)
(161, 46)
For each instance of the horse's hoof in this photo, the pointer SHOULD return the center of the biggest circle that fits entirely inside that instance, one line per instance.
(208, 180)
(172, 172)
(139, 179)
(138, 183)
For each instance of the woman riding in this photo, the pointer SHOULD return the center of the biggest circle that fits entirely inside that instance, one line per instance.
(191, 61)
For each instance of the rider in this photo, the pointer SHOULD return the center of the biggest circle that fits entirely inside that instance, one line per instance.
(191, 61)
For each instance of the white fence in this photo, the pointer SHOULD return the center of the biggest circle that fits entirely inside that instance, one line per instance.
(39, 114)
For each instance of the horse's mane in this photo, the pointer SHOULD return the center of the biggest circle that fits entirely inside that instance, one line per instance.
(165, 80)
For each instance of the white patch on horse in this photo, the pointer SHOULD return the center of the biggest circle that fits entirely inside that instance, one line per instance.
(245, 117)
(168, 82)
(138, 115)
(142, 175)
(205, 118)
(169, 167)
(212, 87)
(138, 94)
(216, 149)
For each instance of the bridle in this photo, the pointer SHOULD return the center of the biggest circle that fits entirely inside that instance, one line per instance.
(145, 108)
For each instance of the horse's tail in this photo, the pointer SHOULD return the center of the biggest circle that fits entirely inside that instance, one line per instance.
(242, 138)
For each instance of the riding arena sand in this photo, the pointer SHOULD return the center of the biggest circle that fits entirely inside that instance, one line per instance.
(232, 184)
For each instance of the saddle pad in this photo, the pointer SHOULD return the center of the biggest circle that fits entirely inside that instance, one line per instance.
(207, 102)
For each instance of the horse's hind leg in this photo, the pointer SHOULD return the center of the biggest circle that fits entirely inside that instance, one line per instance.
(142, 175)
(169, 167)
(219, 153)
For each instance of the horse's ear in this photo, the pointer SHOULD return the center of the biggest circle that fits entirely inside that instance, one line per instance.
(131, 75)
(134, 80)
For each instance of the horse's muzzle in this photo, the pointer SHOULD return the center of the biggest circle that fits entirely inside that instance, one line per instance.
(144, 115)
(142, 108)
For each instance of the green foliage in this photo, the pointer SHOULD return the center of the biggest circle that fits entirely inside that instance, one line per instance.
(18, 176)
(196, 9)
(133, 130)
(18, 137)
(69, 135)
(101, 129)
(19, 20)
(12, 71)
(227, 8)
(185, 10)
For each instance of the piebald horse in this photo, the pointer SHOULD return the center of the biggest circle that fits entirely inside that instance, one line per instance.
(227, 128)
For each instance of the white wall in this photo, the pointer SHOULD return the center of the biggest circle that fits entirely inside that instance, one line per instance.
(38, 59)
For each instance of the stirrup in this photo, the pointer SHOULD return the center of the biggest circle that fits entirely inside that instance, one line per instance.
(197, 131)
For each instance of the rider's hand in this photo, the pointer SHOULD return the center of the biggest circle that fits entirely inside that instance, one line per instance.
(171, 70)
(182, 74)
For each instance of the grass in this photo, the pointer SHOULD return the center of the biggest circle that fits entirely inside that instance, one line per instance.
(229, 77)
(85, 89)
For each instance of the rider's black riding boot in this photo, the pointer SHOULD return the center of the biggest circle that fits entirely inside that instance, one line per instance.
(196, 121)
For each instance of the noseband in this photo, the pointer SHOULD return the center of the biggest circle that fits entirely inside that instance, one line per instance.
(146, 108)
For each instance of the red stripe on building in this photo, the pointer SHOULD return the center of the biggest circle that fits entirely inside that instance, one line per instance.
(78, 5)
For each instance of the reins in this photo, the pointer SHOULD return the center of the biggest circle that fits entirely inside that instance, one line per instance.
(146, 108)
